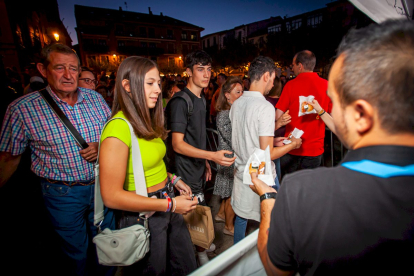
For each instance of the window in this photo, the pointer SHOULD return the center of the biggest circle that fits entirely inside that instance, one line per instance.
(170, 48)
(296, 24)
(143, 44)
(208, 42)
(288, 27)
(185, 48)
(275, 29)
(142, 32)
(193, 36)
(151, 45)
(184, 35)
(102, 42)
(121, 43)
(151, 32)
(194, 47)
(314, 20)
(119, 29)
(214, 41)
(170, 34)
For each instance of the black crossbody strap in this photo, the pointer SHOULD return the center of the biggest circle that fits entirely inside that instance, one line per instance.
(72, 130)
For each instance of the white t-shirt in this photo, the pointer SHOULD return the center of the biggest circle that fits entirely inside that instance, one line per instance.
(251, 116)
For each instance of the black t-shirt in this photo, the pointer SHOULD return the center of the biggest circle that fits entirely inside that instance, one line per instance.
(337, 221)
(194, 129)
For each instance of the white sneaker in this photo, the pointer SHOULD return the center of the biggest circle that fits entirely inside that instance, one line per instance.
(212, 248)
(202, 257)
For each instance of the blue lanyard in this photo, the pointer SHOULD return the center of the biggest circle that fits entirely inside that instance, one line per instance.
(379, 169)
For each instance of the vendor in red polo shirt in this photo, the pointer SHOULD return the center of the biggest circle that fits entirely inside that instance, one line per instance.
(295, 97)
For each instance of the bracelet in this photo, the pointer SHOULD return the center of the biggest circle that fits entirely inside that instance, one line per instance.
(176, 179)
(320, 113)
(267, 196)
(175, 205)
(169, 204)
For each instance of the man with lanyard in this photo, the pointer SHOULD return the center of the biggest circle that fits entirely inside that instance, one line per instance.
(356, 218)
(189, 156)
(66, 170)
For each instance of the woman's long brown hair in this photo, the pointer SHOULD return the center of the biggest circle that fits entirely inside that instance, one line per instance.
(230, 83)
(147, 123)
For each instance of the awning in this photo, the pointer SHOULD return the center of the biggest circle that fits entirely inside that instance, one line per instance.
(381, 10)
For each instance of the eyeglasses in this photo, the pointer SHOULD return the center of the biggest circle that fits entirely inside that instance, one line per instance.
(89, 81)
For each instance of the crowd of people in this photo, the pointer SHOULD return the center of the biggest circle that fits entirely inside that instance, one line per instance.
(356, 217)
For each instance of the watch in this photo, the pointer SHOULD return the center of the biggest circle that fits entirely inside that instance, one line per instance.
(267, 195)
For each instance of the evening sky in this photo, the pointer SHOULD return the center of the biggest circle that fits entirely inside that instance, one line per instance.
(213, 15)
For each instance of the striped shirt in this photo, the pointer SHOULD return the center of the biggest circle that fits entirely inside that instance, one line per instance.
(29, 121)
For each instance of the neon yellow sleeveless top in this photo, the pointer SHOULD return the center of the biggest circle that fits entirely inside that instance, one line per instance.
(152, 153)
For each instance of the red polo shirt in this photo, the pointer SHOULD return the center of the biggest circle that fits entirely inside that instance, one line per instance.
(306, 84)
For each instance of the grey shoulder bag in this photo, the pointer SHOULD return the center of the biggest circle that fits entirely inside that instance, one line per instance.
(125, 246)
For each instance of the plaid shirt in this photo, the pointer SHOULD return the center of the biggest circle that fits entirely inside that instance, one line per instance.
(55, 154)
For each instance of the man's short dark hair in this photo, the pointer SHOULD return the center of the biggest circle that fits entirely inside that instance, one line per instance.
(58, 48)
(259, 66)
(223, 75)
(87, 69)
(307, 58)
(197, 57)
(378, 67)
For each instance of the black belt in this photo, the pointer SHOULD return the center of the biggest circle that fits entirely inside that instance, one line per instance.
(169, 188)
(71, 183)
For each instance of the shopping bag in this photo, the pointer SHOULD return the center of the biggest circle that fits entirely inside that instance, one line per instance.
(200, 225)
(259, 156)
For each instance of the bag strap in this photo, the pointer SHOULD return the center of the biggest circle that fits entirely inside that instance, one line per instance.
(62, 117)
(224, 138)
(138, 171)
(379, 169)
(184, 95)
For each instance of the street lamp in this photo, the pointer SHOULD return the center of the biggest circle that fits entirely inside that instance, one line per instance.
(56, 35)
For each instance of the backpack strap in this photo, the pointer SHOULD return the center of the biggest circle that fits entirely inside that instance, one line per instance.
(183, 95)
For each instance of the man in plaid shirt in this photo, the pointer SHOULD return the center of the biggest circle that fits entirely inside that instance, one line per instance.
(65, 169)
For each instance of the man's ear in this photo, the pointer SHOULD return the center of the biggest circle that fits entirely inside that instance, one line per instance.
(42, 69)
(266, 77)
(126, 85)
(364, 116)
(189, 72)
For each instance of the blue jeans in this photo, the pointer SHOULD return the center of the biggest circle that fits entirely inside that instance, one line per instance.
(240, 224)
(278, 170)
(70, 210)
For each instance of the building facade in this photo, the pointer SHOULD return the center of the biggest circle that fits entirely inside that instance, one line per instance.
(26, 29)
(107, 36)
(319, 30)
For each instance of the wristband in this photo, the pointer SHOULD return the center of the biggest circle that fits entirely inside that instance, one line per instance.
(176, 179)
(175, 205)
(320, 113)
(267, 196)
(169, 204)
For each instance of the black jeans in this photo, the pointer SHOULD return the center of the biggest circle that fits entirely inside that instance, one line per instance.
(171, 249)
(292, 163)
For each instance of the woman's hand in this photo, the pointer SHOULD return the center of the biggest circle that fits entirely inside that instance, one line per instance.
(283, 120)
(183, 188)
(208, 172)
(316, 105)
(278, 141)
(184, 204)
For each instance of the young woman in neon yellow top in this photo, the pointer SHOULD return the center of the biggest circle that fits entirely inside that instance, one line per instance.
(138, 99)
